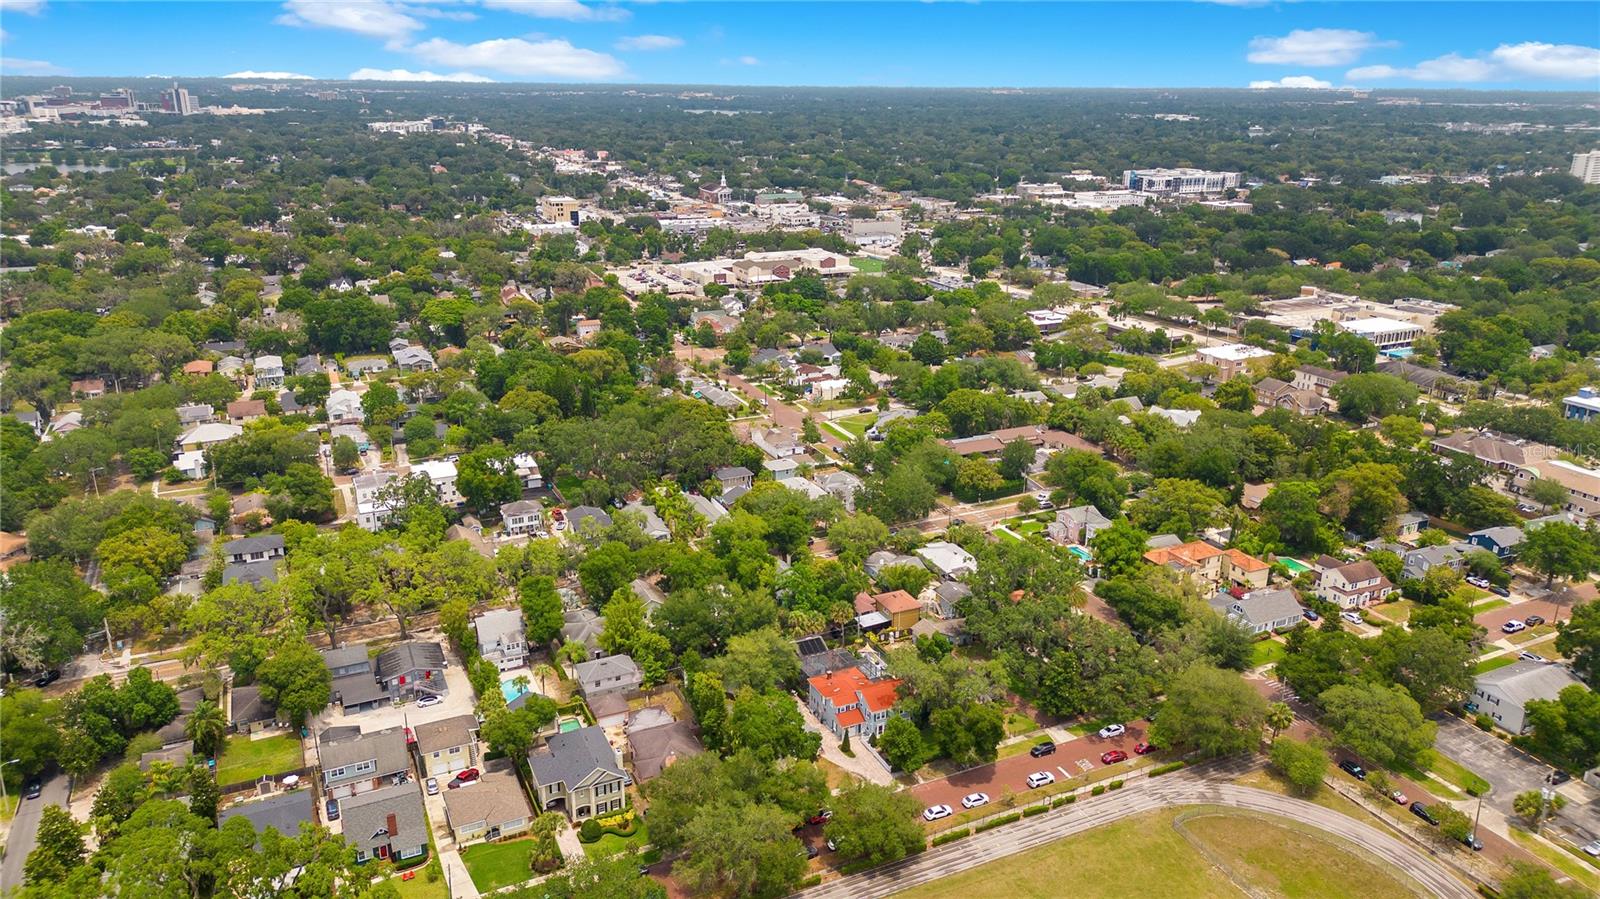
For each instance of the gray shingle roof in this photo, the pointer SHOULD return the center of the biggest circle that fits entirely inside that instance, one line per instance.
(1524, 681)
(265, 543)
(570, 757)
(366, 814)
(412, 656)
(495, 800)
(387, 746)
(445, 733)
(283, 813)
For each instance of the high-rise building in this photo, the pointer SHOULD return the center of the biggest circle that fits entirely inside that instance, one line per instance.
(179, 101)
(1586, 167)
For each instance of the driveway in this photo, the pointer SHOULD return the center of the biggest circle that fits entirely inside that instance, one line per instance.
(24, 827)
(1510, 772)
(1071, 758)
(861, 764)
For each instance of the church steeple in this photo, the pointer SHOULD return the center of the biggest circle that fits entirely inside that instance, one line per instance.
(724, 182)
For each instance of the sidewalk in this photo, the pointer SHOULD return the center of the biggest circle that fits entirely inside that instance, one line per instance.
(456, 875)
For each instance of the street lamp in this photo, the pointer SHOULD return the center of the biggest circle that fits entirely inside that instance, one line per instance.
(3, 797)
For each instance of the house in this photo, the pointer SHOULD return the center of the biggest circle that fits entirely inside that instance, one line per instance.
(355, 763)
(825, 349)
(89, 388)
(354, 686)
(191, 414)
(284, 812)
(735, 476)
(248, 712)
(267, 547)
(344, 405)
(583, 625)
(1232, 359)
(1583, 405)
(1077, 525)
(388, 824)
(255, 574)
(945, 597)
(948, 560)
(1318, 380)
(848, 702)
(577, 773)
(1272, 393)
(1418, 562)
(268, 371)
(372, 511)
(1261, 610)
(816, 659)
(1352, 585)
(581, 518)
(782, 469)
(1431, 381)
(897, 610)
(441, 473)
(199, 367)
(528, 471)
(1504, 693)
(500, 638)
(492, 809)
(447, 745)
(778, 443)
(231, 367)
(308, 364)
(653, 748)
(359, 368)
(244, 411)
(842, 485)
(410, 669)
(13, 550)
(616, 673)
(203, 436)
(709, 509)
(1410, 524)
(1210, 565)
(649, 521)
(883, 558)
(525, 517)
(414, 358)
(651, 595)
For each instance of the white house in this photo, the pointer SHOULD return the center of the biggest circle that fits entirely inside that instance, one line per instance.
(344, 405)
(1231, 359)
(500, 638)
(370, 512)
(525, 516)
(442, 474)
(1503, 694)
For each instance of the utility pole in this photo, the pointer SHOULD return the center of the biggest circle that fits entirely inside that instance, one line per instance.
(96, 480)
(4, 800)
(1477, 816)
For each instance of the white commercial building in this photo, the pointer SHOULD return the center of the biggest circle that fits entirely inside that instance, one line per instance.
(1586, 167)
(1232, 359)
(1179, 182)
(1385, 333)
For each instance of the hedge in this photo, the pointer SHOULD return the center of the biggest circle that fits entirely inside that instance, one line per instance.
(811, 881)
(1116, 785)
(1098, 789)
(1032, 810)
(592, 829)
(1068, 799)
(1168, 768)
(997, 822)
(952, 836)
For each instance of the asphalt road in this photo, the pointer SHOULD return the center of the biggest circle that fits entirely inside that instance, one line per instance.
(24, 826)
(1071, 758)
(1184, 788)
(1510, 772)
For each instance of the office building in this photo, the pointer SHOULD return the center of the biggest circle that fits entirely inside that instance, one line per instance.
(1179, 182)
(1586, 167)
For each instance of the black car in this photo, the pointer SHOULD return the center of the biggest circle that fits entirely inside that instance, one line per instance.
(46, 678)
(1533, 620)
(1557, 777)
(333, 809)
(1472, 842)
(1353, 769)
(1498, 590)
(1043, 749)
(812, 851)
(1423, 812)
(32, 789)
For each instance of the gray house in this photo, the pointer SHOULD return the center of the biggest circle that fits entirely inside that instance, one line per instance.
(578, 773)
(245, 550)
(608, 675)
(354, 763)
(1421, 560)
(388, 824)
(1078, 524)
(409, 669)
(354, 688)
(284, 812)
(583, 625)
(1261, 610)
(500, 638)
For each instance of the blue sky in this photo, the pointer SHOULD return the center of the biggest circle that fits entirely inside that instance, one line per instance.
(1541, 46)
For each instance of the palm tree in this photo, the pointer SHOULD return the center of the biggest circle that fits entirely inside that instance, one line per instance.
(1279, 718)
(542, 671)
(208, 728)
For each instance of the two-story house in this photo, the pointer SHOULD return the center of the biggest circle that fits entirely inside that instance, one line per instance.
(354, 763)
(610, 674)
(412, 669)
(895, 610)
(1210, 565)
(500, 638)
(1353, 585)
(387, 825)
(372, 510)
(245, 550)
(447, 745)
(1077, 525)
(1502, 541)
(735, 476)
(1319, 380)
(525, 517)
(354, 686)
(441, 473)
(578, 773)
(847, 701)
(268, 371)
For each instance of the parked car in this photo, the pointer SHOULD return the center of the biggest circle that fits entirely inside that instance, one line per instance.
(463, 778)
(433, 786)
(1040, 779)
(1513, 626)
(1422, 811)
(1352, 617)
(46, 678)
(1112, 730)
(1112, 757)
(935, 812)
(1310, 614)
(1398, 797)
(812, 851)
(428, 701)
(821, 817)
(1476, 581)
(1498, 590)
(832, 846)
(1472, 842)
(1557, 777)
(1043, 749)
(1142, 747)
(1354, 770)
(1527, 656)
(1533, 620)
(33, 788)
(973, 800)
(332, 808)
(1592, 848)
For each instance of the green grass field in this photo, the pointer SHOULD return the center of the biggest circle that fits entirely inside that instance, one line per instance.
(419, 888)
(1274, 857)
(1578, 867)
(1488, 665)
(856, 425)
(1266, 652)
(611, 844)
(496, 865)
(1463, 779)
(867, 265)
(244, 759)
(1399, 611)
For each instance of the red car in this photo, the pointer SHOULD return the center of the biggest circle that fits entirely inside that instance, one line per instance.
(1142, 748)
(1112, 757)
(462, 778)
(821, 817)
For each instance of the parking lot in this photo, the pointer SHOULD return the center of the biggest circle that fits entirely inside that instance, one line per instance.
(1494, 618)
(1070, 759)
(1510, 772)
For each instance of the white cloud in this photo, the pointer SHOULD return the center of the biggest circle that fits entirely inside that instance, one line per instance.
(26, 7)
(649, 42)
(371, 18)
(424, 75)
(270, 76)
(31, 66)
(569, 10)
(1314, 47)
(514, 56)
(1507, 62)
(749, 61)
(1300, 82)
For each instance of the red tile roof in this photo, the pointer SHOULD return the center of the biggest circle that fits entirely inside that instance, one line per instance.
(850, 717)
(880, 696)
(840, 689)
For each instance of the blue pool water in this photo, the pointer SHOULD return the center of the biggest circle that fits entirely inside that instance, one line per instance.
(510, 690)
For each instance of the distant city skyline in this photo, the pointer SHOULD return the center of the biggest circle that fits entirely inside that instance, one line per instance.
(1235, 43)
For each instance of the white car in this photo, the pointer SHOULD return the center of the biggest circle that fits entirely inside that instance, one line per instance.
(1040, 779)
(1592, 848)
(424, 702)
(1513, 626)
(973, 800)
(1351, 617)
(935, 812)
(1112, 730)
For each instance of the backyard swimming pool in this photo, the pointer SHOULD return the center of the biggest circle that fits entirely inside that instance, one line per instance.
(510, 690)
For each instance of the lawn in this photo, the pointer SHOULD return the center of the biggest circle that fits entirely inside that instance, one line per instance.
(1452, 771)
(1531, 634)
(611, 844)
(1028, 527)
(1266, 652)
(419, 888)
(1399, 611)
(1488, 665)
(1489, 605)
(496, 865)
(1577, 867)
(244, 759)
(856, 425)
(1018, 723)
(867, 265)
(1273, 856)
